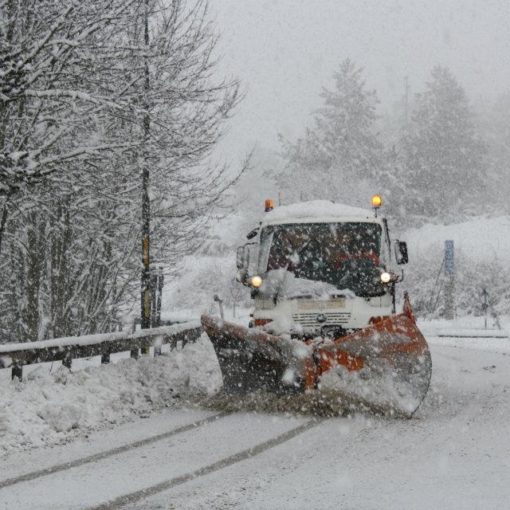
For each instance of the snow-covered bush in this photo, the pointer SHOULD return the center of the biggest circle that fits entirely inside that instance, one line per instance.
(425, 280)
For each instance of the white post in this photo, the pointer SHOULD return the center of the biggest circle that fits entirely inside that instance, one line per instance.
(449, 269)
(220, 304)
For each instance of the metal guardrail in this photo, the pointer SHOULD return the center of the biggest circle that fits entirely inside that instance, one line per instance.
(66, 349)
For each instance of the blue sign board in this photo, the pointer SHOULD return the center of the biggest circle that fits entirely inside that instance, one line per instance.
(449, 263)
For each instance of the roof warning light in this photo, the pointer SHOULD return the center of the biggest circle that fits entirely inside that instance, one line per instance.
(376, 201)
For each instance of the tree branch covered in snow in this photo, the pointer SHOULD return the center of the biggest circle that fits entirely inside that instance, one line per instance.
(86, 104)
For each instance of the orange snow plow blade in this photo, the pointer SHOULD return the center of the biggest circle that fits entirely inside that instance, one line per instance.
(385, 367)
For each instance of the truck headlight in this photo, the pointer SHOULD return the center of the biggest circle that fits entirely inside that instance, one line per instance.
(385, 277)
(256, 281)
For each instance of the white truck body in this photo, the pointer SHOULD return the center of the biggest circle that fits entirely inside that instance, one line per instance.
(285, 303)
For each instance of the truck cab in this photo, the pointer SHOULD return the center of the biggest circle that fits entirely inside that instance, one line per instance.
(320, 269)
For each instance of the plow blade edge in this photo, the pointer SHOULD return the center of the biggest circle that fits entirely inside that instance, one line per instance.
(385, 367)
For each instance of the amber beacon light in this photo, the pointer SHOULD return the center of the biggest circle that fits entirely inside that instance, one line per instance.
(268, 205)
(376, 203)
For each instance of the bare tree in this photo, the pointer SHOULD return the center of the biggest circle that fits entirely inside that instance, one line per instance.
(113, 106)
(46, 96)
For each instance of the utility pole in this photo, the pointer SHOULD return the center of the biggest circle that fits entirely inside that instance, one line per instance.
(146, 291)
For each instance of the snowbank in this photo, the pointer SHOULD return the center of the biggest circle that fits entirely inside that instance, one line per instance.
(49, 408)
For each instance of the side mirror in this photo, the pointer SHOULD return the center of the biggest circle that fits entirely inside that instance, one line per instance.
(401, 255)
(246, 255)
(252, 234)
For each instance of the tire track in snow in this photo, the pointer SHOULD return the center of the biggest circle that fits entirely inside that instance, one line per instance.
(109, 453)
(136, 496)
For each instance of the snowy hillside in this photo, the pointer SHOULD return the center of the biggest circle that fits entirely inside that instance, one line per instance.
(482, 256)
(481, 239)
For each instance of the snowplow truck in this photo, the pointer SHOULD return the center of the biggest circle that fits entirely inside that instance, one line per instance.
(323, 279)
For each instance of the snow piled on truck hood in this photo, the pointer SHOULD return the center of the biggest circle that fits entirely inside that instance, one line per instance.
(286, 285)
(50, 408)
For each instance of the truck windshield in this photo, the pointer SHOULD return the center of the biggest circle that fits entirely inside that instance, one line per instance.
(342, 254)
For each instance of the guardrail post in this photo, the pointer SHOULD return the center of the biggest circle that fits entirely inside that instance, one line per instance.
(17, 371)
(67, 361)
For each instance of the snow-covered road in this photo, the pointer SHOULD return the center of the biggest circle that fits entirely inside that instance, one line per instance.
(454, 454)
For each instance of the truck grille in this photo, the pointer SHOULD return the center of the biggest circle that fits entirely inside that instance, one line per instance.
(310, 319)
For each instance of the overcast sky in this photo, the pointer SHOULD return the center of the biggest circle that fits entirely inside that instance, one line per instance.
(284, 51)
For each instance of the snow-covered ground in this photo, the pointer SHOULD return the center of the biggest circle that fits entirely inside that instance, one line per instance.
(453, 455)
(105, 433)
(128, 446)
(54, 405)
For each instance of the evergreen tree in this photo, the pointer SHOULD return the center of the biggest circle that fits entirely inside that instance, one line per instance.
(444, 173)
(340, 157)
(496, 131)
